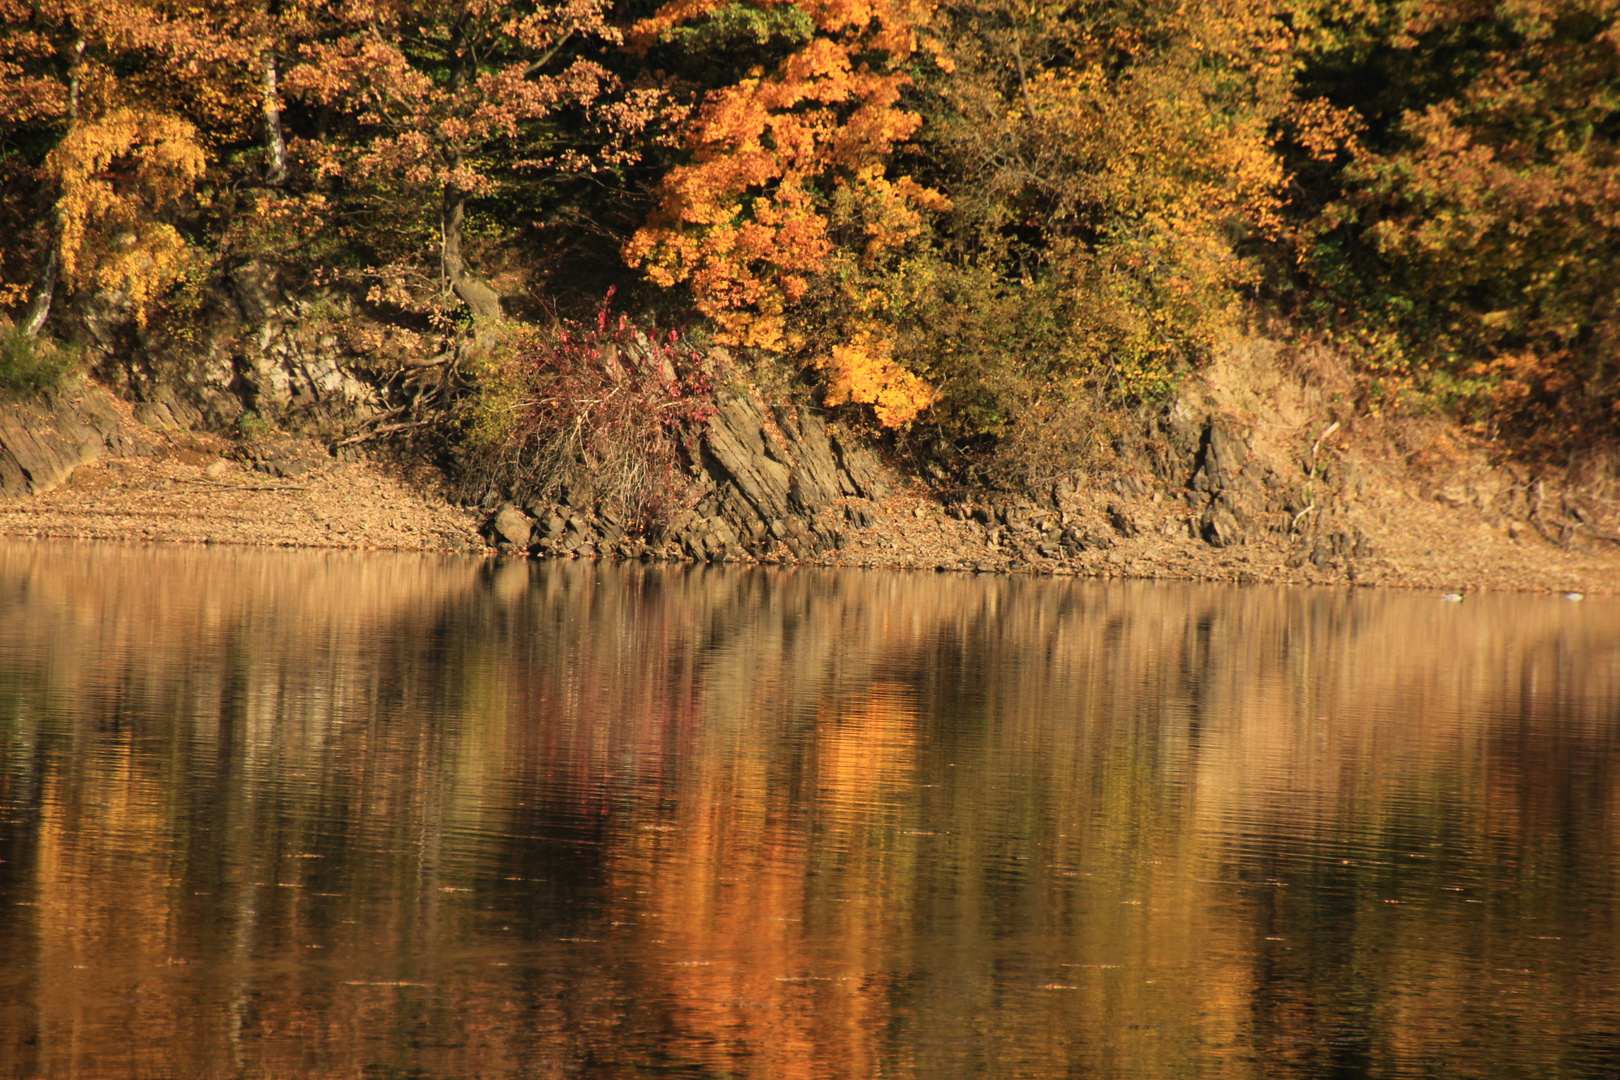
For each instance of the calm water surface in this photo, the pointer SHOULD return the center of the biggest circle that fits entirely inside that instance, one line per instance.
(269, 814)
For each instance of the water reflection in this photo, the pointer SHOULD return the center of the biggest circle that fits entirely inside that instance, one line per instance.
(328, 814)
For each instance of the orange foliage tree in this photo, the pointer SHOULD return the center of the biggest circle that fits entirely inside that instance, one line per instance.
(748, 222)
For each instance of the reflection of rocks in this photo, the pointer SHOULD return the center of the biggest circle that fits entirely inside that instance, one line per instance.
(654, 779)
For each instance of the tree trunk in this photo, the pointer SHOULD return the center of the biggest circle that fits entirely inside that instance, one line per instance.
(40, 309)
(481, 300)
(274, 142)
(45, 291)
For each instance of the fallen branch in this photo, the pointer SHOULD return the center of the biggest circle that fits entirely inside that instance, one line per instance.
(1331, 428)
(417, 364)
(241, 487)
(385, 429)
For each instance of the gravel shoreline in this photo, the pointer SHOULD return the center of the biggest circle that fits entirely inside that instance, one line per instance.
(194, 490)
(192, 493)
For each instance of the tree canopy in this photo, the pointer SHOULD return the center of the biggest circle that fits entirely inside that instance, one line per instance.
(986, 219)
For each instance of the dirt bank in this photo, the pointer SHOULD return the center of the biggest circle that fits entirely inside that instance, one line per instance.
(196, 489)
(1258, 472)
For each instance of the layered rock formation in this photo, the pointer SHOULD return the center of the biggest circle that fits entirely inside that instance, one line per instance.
(42, 441)
(252, 353)
(769, 484)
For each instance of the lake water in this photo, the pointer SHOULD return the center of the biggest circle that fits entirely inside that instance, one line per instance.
(287, 814)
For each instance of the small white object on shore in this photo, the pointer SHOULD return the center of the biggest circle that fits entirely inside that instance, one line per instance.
(1574, 596)
(1452, 597)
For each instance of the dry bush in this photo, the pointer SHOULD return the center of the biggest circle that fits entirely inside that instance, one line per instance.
(611, 408)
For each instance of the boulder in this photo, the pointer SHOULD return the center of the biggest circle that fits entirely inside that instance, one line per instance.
(1220, 527)
(166, 409)
(511, 526)
(765, 481)
(287, 457)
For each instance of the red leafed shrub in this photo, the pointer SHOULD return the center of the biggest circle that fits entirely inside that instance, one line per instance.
(612, 410)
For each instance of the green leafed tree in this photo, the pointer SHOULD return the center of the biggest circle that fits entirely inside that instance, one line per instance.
(1473, 240)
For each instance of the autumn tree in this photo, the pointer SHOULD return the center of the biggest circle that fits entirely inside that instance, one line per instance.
(993, 207)
(1470, 241)
(1115, 179)
(789, 180)
(110, 113)
(439, 101)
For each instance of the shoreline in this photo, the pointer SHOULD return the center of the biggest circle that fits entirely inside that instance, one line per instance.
(189, 491)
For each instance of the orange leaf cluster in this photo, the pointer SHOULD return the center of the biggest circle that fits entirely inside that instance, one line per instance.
(864, 372)
(744, 222)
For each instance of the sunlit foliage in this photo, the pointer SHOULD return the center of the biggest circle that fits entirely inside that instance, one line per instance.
(107, 113)
(747, 221)
(116, 173)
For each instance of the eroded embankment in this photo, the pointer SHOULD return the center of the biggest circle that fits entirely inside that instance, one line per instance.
(1254, 475)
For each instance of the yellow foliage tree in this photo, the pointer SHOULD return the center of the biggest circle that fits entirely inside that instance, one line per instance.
(1128, 152)
(116, 173)
(1114, 172)
(118, 102)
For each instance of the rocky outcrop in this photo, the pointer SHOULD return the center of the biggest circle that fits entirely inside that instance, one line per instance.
(767, 485)
(1233, 487)
(1236, 496)
(284, 457)
(251, 352)
(42, 441)
(1195, 476)
(783, 484)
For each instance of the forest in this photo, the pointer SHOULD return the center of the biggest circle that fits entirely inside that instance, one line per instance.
(995, 227)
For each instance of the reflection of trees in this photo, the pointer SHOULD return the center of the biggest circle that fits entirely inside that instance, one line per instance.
(511, 820)
(237, 784)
